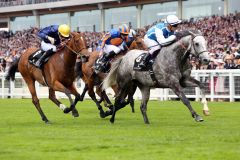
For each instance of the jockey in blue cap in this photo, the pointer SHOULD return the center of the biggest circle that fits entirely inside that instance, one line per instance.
(131, 37)
(113, 43)
(159, 35)
(52, 36)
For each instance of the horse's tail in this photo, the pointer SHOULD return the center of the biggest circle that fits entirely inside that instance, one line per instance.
(110, 80)
(12, 70)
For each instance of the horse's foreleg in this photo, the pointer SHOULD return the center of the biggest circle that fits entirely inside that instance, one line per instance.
(52, 97)
(191, 82)
(178, 91)
(74, 91)
(35, 100)
(93, 96)
(60, 87)
(145, 97)
(84, 92)
(104, 97)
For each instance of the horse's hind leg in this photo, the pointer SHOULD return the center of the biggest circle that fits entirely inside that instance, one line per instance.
(52, 97)
(145, 97)
(119, 102)
(35, 100)
(130, 97)
(191, 82)
(178, 91)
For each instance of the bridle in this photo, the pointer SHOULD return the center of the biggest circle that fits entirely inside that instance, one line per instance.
(77, 52)
(189, 47)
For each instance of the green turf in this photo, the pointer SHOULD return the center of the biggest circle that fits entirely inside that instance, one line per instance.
(172, 134)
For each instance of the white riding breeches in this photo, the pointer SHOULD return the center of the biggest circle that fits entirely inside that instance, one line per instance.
(47, 46)
(151, 44)
(108, 48)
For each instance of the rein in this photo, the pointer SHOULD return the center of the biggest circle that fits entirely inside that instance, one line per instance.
(72, 50)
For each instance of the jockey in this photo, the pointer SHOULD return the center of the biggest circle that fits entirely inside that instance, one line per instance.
(52, 36)
(131, 37)
(113, 43)
(159, 35)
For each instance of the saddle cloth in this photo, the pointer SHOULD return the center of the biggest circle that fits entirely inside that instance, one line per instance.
(32, 59)
(137, 63)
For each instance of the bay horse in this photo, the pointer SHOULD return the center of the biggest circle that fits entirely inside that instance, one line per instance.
(171, 68)
(92, 79)
(57, 74)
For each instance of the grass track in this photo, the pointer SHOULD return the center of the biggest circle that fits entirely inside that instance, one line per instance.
(172, 134)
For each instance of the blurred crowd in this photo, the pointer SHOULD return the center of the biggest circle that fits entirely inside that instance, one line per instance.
(221, 32)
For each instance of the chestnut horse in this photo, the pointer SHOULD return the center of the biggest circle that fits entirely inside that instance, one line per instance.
(92, 79)
(58, 73)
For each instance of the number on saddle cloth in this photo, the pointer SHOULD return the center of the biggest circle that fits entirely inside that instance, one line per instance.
(101, 66)
(35, 56)
(138, 61)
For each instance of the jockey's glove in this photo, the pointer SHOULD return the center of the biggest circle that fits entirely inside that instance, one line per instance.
(52, 40)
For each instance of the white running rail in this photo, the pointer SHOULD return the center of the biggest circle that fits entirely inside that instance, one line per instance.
(219, 84)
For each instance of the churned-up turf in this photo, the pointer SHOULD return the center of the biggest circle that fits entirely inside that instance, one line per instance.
(172, 134)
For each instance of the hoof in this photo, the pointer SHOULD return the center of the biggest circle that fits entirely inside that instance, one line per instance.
(198, 118)
(206, 112)
(107, 113)
(47, 122)
(81, 98)
(112, 120)
(102, 114)
(75, 113)
(66, 110)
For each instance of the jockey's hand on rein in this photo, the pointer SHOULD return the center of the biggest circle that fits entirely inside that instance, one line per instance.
(52, 40)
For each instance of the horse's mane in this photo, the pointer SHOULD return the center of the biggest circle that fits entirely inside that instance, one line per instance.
(184, 33)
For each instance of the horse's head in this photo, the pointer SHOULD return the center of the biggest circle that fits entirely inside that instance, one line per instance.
(138, 43)
(77, 44)
(197, 44)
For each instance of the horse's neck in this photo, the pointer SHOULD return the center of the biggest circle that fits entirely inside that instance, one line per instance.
(69, 58)
(183, 47)
(177, 51)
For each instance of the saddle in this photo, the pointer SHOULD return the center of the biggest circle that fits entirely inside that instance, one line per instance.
(101, 67)
(139, 60)
(32, 59)
(148, 68)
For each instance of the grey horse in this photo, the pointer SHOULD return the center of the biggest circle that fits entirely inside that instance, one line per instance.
(172, 70)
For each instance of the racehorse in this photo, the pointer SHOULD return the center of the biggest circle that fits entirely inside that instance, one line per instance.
(172, 70)
(58, 73)
(92, 79)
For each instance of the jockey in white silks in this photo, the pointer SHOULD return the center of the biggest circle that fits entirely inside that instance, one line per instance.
(159, 35)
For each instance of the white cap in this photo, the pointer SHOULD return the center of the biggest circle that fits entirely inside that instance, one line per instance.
(172, 20)
(132, 33)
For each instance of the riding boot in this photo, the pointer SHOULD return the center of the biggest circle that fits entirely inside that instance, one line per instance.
(40, 61)
(106, 57)
(144, 62)
(148, 59)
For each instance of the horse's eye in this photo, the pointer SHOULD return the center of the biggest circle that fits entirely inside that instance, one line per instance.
(197, 44)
